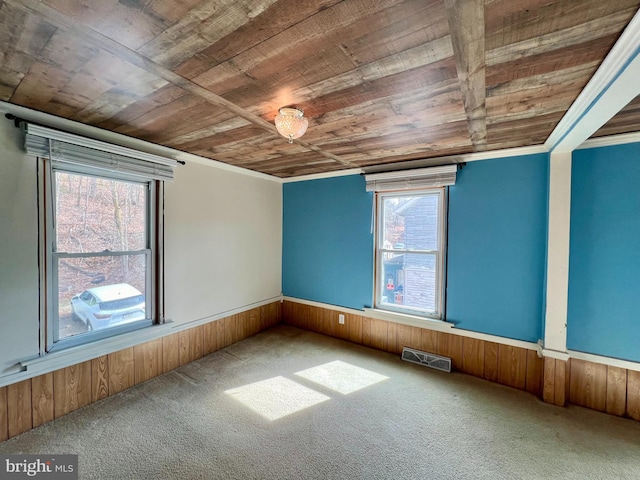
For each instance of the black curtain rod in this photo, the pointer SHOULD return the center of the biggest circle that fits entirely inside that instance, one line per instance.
(17, 120)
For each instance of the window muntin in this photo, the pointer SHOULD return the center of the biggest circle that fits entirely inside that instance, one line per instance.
(103, 235)
(410, 252)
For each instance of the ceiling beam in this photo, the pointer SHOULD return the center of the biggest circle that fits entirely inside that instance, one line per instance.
(103, 42)
(611, 88)
(466, 24)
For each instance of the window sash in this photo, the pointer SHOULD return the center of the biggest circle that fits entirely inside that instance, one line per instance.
(51, 257)
(439, 254)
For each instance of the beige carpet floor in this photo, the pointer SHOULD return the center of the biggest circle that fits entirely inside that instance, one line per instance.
(289, 404)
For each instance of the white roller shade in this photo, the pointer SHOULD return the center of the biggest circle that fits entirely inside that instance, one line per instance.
(67, 148)
(430, 177)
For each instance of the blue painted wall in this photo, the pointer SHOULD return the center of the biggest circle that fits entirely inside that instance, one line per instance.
(327, 242)
(497, 247)
(604, 262)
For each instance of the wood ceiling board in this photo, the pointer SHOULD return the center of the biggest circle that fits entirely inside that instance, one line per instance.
(506, 27)
(421, 26)
(330, 27)
(520, 133)
(275, 19)
(466, 21)
(203, 132)
(591, 52)
(205, 24)
(570, 37)
(377, 78)
(160, 97)
(122, 21)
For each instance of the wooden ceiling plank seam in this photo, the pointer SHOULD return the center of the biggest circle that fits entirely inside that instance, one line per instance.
(600, 27)
(115, 48)
(466, 22)
(202, 26)
(278, 17)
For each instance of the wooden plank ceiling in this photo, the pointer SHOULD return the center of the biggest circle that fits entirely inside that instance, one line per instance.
(380, 80)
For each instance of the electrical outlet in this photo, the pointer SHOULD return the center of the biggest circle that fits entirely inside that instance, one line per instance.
(341, 319)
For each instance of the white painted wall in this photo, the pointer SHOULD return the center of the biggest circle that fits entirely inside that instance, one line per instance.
(223, 241)
(223, 245)
(19, 330)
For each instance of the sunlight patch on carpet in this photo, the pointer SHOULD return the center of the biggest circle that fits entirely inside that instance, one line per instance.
(342, 377)
(276, 397)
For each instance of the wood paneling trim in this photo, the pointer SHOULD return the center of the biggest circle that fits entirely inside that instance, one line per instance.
(121, 370)
(39, 400)
(19, 408)
(99, 378)
(147, 359)
(71, 388)
(588, 384)
(616, 390)
(512, 366)
(171, 352)
(473, 356)
(4, 415)
(633, 394)
(42, 399)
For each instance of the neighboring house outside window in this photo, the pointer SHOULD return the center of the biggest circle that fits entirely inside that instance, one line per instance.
(410, 252)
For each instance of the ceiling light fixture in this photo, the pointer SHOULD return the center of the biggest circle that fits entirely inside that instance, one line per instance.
(291, 123)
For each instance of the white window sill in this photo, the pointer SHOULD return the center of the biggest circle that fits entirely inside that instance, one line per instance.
(406, 319)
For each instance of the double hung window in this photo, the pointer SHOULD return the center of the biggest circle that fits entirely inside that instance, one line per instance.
(410, 242)
(410, 252)
(101, 242)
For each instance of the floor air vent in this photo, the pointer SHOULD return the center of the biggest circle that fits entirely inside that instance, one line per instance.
(426, 359)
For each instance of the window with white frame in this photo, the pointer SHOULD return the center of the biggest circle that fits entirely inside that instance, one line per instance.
(101, 247)
(411, 239)
(100, 257)
(410, 252)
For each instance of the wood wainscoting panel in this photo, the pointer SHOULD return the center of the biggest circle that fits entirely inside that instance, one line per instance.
(220, 335)
(512, 366)
(616, 390)
(271, 314)
(19, 409)
(491, 353)
(561, 386)
(242, 321)
(378, 334)
(450, 346)
(171, 352)
(4, 415)
(428, 341)
(71, 388)
(147, 359)
(354, 323)
(392, 338)
(535, 366)
(633, 394)
(190, 344)
(253, 323)
(99, 378)
(329, 322)
(121, 370)
(209, 340)
(549, 380)
(230, 330)
(42, 399)
(588, 384)
(315, 319)
(473, 356)
(410, 337)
